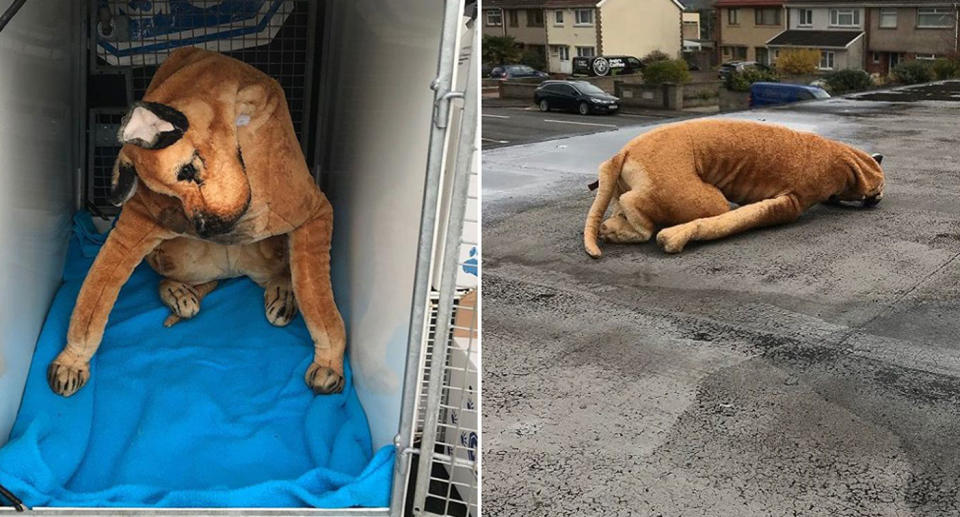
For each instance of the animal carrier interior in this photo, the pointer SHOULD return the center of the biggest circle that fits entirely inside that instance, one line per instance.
(213, 412)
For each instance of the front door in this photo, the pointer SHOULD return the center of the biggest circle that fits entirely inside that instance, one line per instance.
(894, 61)
(763, 57)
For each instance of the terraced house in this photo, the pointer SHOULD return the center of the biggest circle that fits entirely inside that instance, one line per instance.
(745, 27)
(900, 30)
(836, 29)
(563, 29)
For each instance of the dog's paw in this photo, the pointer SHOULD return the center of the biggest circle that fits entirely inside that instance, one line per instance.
(181, 299)
(323, 380)
(66, 376)
(672, 240)
(280, 306)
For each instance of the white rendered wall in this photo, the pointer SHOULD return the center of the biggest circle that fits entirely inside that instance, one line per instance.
(378, 63)
(37, 135)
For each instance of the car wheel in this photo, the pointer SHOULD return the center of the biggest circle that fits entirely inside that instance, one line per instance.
(584, 108)
(544, 105)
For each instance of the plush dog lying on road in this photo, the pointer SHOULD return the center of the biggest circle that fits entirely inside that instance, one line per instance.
(682, 178)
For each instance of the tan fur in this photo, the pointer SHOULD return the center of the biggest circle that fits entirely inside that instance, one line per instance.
(269, 203)
(682, 178)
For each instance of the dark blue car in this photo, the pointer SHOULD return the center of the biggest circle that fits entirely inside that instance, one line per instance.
(770, 94)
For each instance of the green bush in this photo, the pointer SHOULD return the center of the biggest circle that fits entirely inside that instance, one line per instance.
(945, 68)
(533, 59)
(913, 72)
(741, 81)
(843, 81)
(668, 71)
(802, 61)
(499, 50)
(654, 56)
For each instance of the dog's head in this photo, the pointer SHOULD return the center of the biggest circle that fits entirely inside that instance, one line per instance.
(188, 148)
(866, 179)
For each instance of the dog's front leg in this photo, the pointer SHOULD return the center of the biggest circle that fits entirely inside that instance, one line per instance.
(310, 271)
(135, 235)
(778, 210)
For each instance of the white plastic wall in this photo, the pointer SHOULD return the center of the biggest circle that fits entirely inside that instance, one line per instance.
(37, 145)
(378, 62)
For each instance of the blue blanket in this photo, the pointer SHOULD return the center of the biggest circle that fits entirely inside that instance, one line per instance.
(210, 412)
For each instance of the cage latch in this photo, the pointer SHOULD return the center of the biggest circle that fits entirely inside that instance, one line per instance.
(441, 107)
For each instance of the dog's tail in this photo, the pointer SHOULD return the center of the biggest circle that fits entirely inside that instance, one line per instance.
(608, 175)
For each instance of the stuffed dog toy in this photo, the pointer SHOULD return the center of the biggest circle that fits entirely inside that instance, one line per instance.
(682, 178)
(213, 185)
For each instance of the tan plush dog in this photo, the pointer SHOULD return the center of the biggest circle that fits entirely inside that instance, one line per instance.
(214, 185)
(682, 178)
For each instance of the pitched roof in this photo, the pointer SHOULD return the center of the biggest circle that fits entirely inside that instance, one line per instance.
(747, 3)
(513, 4)
(804, 38)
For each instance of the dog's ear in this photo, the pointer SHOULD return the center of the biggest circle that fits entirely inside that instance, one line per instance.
(152, 125)
(877, 158)
(123, 184)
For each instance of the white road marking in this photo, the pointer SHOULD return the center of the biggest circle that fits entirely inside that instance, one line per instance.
(495, 140)
(496, 116)
(579, 123)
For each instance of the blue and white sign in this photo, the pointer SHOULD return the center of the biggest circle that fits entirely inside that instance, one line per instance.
(143, 32)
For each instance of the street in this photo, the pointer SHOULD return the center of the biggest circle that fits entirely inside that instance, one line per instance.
(805, 369)
(503, 126)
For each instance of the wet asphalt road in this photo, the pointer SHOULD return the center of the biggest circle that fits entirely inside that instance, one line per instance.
(808, 369)
(504, 126)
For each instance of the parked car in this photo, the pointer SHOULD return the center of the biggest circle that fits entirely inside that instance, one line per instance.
(516, 72)
(739, 66)
(605, 65)
(770, 94)
(580, 96)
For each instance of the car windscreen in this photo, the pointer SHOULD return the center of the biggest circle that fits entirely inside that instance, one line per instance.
(520, 69)
(821, 94)
(589, 89)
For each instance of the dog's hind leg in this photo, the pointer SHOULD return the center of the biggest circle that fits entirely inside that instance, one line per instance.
(183, 299)
(778, 210)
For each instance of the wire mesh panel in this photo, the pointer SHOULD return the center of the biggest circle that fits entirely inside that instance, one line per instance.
(448, 418)
(131, 38)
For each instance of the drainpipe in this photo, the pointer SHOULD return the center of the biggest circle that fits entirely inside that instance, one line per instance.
(956, 28)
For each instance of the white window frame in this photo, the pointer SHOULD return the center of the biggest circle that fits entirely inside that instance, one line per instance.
(925, 57)
(805, 13)
(733, 16)
(561, 52)
(944, 13)
(490, 16)
(579, 15)
(854, 15)
(582, 51)
(558, 18)
(887, 11)
(827, 60)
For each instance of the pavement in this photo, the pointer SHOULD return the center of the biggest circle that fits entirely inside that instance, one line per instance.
(806, 369)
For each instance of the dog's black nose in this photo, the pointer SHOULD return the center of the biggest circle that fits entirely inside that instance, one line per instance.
(871, 201)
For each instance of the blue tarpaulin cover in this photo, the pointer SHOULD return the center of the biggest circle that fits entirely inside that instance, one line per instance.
(212, 412)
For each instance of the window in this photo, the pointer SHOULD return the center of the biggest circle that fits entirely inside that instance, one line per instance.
(494, 18)
(926, 57)
(560, 51)
(826, 60)
(586, 52)
(806, 17)
(740, 52)
(934, 17)
(876, 58)
(558, 17)
(888, 18)
(845, 17)
(584, 17)
(512, 16)
(534, 18)
(733, 16)
(767, 15)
